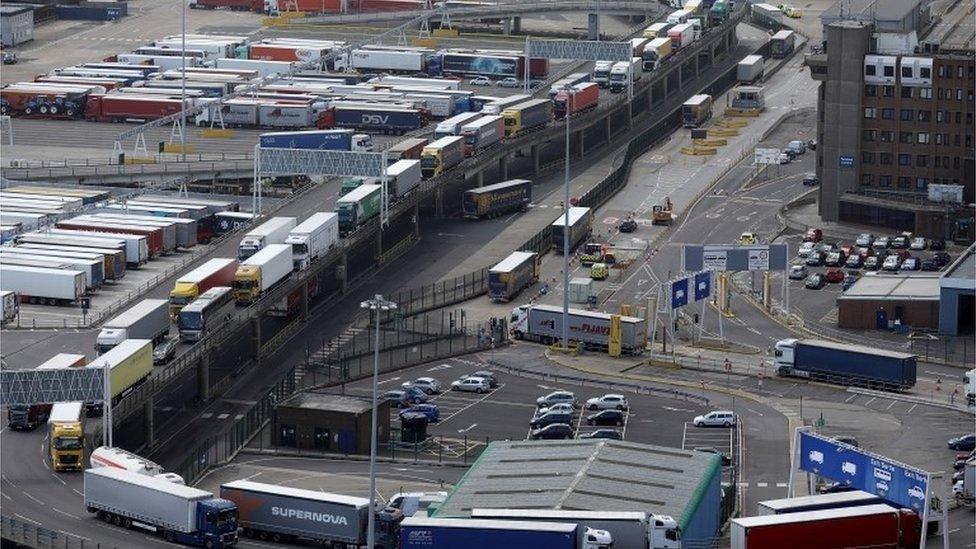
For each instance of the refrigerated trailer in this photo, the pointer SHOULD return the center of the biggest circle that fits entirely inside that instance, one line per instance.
(43, 285)
(92, 268)
(185, 230)
(135, 247)
(512, 274)
(482, 133)
(543, 323)
(312, 238)
(260, 272)
(272, 231)
(580, 224)
(148, 319)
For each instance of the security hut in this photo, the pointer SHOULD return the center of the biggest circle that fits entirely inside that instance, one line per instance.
(16, 24)
(563, 480)
(328, 422)
(887, 301)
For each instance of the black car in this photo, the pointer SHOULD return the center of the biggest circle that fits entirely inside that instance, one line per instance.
(815, 282)
(554, 431)
(628, 226)
(606, 417)
(835, 488)
(612, 434)
(964, 442)
(942, 259)
(726, 460)
(937, 245)
(930, 265)
(810, 180)
(165, 351)
(550, 418)
(850, 441)
(812, 144)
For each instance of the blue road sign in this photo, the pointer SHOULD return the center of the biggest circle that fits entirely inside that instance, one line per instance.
(703, 285)
(679, 293)
(846, 161)
(899, 484)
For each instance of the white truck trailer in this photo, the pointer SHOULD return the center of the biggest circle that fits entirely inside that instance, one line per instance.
(312, 238)
(272, 231)
(148, 319)
(107, 456)
(260, 272)
(42, 285)
(635, 529)
(543, 323)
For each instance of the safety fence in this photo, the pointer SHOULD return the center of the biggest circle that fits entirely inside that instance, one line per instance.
(29, 533)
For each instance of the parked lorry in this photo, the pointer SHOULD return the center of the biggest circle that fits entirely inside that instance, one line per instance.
(153, 236)
(482, 133)
(148, 319)
(43, 285)
(185, 230)
(696, 110)
(681, 35)
(134, 247)
(580, 224)
(781, 44)
(327, 140)
(281, 513)
(129, 362)
(750, 69)
(392, 61)
(527, 116)
(121, 107)
(845, 364)
(441, 155)
(66, 436)
(286, 52)
(23, 416)
(156, 230)
(512, 274)
(113, 259)
(107, 456)
(497, 199)
(402, 177)
(453, 125)
(92, 268)
(312, 238)
(264, 68)
(577, 98)
(624, 74)
(260, 272)
(877, 525)
(46, 99)
(358, 207)
(495, 65)
(423, 532)
(406, 149)
(10, 305)
(387, 120)
(272, 231)
(543, 323)
(817, 502)
(656, 52)
(178, 513)
(218, 271)
(634, 529)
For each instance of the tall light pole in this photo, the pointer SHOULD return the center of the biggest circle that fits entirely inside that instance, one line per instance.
(566, 237)
(183, 85)
(377, 305)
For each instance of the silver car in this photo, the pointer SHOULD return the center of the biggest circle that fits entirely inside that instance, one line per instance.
(509, 82)
(471, 385)
(717, 418)
(608, 402)
(428, 385)
(561, 408)
(556, 397)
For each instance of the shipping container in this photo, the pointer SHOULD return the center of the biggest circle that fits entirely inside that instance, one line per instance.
(527, 116)
(512, 274)
(441, 155)
(543, 323)
(484, 132)
(498, 199)
(149, 319)
(580, 227)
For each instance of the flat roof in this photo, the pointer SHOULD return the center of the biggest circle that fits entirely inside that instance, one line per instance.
(882, 10)
(962, 272)
(328, 402)
(955, 30)
(894, 287)
(584, 475)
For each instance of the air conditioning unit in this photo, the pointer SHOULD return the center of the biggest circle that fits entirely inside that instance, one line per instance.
(18, 163)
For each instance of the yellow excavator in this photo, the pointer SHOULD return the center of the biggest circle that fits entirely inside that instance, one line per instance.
(664, 215)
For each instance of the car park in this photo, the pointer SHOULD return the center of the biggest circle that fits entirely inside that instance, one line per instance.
(549, 418)
(428, 385)
(918, 243)
(606, 417)
(834, 259)
(797, 146)
(871, 263)
(854, 262)
(899, 242)
(814, 281)
(715, 418)
(480, 81)
(911, 264)
(805, 249)
(864, 240)
(834, 275)
(165, 351)
(813, 235)
(562, 407)
(891, 263)
(628, 226)
(608, 402)
(553, 431)
(881, 243)
(798, 272)
(510, 82)
(810, 180)
(726, 460)
(471, 384)
(611, 434)
(556, 397)
(432, 412)
(929, 265)
(815, 259)
(964, 442)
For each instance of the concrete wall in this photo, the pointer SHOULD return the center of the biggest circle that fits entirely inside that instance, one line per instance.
(949, 311)
(861, 314)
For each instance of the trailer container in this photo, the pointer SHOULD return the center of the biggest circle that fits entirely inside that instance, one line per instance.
(601, 73)
(185, 229)
(272, 231)
(406, 149)
(130, 363)
(499, 105)
(681, 35)
(24, 221)
(262, 67)
(637, 46)
(285, 52)
(781, 44)
(218, 271)
(395, 120)
(88, 196)
(176, 512)
(402, 177)
(312, 238)
(155, 226)
(568, 82)
(422, 532)
(228, 222)
(817, 502)
(453, 125)
(10, 306)
(68, 203)
(134, 248)
(367, 60)
(260, 272)
(845, 364)
(441, 155)
(580, 226)
(527, 116)
(657, 30)
(679, 17)
(863, 526)
(629, 528)
(624, 73)
(512, 274)
(148, 319)
(719, 12)
(482, 133)
(163, 209)
(113, 259)
(439, 83)
(696, 110)
(121, 107)
(496, 66)
(497, 199)
(92, 268)
(107, 456)
(212, 205)
(328, 140)
(576, 99)
(544, 323)
(750, 69)
(284, 114)
(656, 52)
(43, 285)
(153, 236)
(358, 207)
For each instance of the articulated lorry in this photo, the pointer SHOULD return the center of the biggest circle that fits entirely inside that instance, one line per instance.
(441, 155)
(749, 69)
(526, 116)
(177, 513)
(580, 227)
(312, 238)
(696, 110)
(624, 74)
(113, 260)
(512, 274)
(453, 125)
(66, 436)
(543, 323)
(358, 207)
(218, 271)
(877, 525)
(458, 533)
(272, 231)
(845, 364)
(375, 117)
(262, 271)
(107, 456)
(319, 140)
(402, 177)
(575, 99)
(130, 363)
(632, 529)
(497, 199)
(43, 285)
(482, 133)
(206, 313)
(406, 149)
(656, 52)
(148, 319)
(92, 268)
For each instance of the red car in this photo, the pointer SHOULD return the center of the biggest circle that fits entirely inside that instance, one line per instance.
(848, 250)
(834, 275)
(813, 235)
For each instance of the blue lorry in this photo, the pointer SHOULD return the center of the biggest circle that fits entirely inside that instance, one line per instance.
(394, 120)
(325, 140)
(448, 533)
(845, 364)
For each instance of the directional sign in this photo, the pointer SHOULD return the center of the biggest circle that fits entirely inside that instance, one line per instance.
(703, 285)
(715, 260)
(766, 156)
(735, 257)
(900, 484)
(759, 260)
(845, 161)
(679, 293)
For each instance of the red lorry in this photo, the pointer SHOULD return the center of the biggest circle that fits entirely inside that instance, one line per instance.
(154, 237)
(54, 100)
(121, 107)
(578, 98)
(877, 526)
(234, 5)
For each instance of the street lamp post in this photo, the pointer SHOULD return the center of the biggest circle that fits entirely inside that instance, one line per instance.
(566, 239)
(377, 305)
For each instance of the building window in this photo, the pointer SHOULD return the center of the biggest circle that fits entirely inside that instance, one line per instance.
(958, 117)
(904, 182)
(869, 112)
(922, 160)
(955, 140)
(906, 72)
(888, 91)
(945, 161)
(884, 180)
(906, 92)
(925, 93)
(887, 136)
(888, 114)
(867, 157)
(905, 137)
(924, 116)
(868, 135)
(884, 158)
(889, 70)
(870, 70)
(867, 179)
(870, 90)
(940, 116)
(925, 72)
(942, 71)
(969, 118)
(922, 138)
(904, 159)
(921, 183)
(959, 94)
(969, 95)
(907, 115)
(941, 94)
(969, 141)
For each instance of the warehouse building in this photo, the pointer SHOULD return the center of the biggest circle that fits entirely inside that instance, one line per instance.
(589, 475)
(328, 423)
(957, 296)
(16, 24)
(883, 301)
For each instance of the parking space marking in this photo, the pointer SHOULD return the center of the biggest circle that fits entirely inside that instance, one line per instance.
(850, 398)
(579, 422)
(468, 428)
(623, 431)
(482, 399)
(912, 408)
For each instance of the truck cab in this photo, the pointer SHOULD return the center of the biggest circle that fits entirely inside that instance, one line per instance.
(66, 437)
(216, 524)
(663, 532)
(409, 503)
(109, 338)
(784, 354)
(971, 386)
(27, 417)
(601, 73)
(247, 283)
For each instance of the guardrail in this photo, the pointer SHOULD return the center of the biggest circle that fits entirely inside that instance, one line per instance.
(487, 11)
(31, 534)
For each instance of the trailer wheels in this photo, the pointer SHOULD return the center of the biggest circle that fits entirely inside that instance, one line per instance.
(28, 110)
(53, 109)
(126, 523)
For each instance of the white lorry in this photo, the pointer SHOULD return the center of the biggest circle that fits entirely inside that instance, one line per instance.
(601, 73)
(631, 529)
(148, 319)
(312, 238)
(272, 231)
(624, 74)
(543, 323)
(260, 272)
(42, 285)
(107, 456)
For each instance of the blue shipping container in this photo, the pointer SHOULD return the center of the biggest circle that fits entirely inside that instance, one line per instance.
(379, 119)
(856, 364)
(331, 140)
(93, 12)
(445, 537)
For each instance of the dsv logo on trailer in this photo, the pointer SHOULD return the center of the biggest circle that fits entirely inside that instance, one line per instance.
(308, 515)
(374, 119)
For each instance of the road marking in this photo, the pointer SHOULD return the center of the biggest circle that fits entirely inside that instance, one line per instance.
(757, 412)
(56, 510)
(872, 399)
(238, 417)
(223, 416)
(440, 367)
(22, 517)
(206, 415)
(33, 498)
(912, 408)
(782, 484)
(6, 496)
(75, 490)
(753, 330)
(852, 397)
(486, 395)
(388, 380)
(890, 405)
(762, 485)
(676, 409)
(468, 428)
(59, 479)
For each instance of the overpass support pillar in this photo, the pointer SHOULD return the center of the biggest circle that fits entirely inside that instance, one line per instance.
(580, 145)
(439, 199)
(379, 244)
(503, 168)
(416, 220)
(203, 377)
(593, 27)
(304, 303)
(607, 134)
(535, 159)
(341, 276)
(150, 423)
(256, 338)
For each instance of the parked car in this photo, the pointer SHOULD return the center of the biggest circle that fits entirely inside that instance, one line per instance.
(805, 249)
(789, 152)
(911, 264)
(937, 245)
(556, 397)
(402, 398)
(628, 226)
(480, 81)
(798, 272)
(964, 442)
(428, 385)
(432, 412)
(606, 417)
(891, 263)
(165, 351)
(834, 259)
(835, 488)
(929, 265)
(611, 434)
(813, 235)
(815, 259)
(608, 402)
(814, 282)
(834, 275)
(549, 418)
(562, 407)
(810, 180)
(553, 431)
(726, 460)
(797, 146)
(812, 144)
(918, 243)
(510, 82)
(854, 262)
(941, 258)
(715, 418)
(881, 243)
(871, 263)
(487, 376)
(864, 240)
(471, 384)
(785, 158)
(899, 242)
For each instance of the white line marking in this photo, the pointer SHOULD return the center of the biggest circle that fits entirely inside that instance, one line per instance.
(488, 394)
(75, 490)
(223, 416)
(56, 510)
(33, 498)
(782, 484)
(762, 485)
(27, 519)
(468, 428)
(912, 408)
(59, 479)
(757, 412)
(852, 397)
(6, 496)
(676, 409)
(890, 405)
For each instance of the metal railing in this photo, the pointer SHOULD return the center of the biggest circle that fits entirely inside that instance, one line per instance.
(31, 534)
